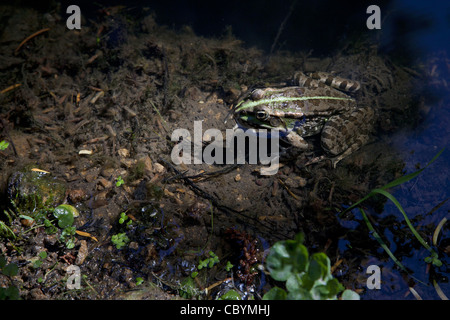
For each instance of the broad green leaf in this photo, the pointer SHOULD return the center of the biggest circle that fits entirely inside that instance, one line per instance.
(12, 293)
(22, 216)
(293, 283)
(280, 249)
(10, 270)
(275, 294)
(334, 287)
(285, 258)
(300, 294)
(279, 270)
(2, 261)
(319, 266)
(231, 295)
(64, 214)
(350, 295)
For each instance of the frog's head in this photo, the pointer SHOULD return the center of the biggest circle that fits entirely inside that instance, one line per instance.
(251, 112)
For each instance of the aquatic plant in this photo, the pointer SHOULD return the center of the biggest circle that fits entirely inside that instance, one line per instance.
(433, 258)
(306, 277)
(188, 287)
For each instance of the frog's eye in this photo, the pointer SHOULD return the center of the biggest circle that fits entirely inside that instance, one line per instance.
(262, 115)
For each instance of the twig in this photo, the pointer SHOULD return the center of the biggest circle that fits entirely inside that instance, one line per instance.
(207, 290)
(196, 189)
(166, 78)
(280, 29)
(10, 88)
(204, 175)
(30, 37)
(159, 114)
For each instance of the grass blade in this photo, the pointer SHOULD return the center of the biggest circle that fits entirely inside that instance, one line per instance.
(381, 242)
(408, 222)
(394, 183)
(385, 247)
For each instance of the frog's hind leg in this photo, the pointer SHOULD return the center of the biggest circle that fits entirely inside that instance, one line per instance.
(362, 140)
(346, 133)
(318, 79)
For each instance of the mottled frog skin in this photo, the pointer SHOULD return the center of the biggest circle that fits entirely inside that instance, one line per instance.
(311, 107)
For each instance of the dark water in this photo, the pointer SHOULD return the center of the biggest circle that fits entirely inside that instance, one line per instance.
(426, 33)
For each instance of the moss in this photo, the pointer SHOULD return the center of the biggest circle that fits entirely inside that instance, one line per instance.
(32, 192)
(136, 172)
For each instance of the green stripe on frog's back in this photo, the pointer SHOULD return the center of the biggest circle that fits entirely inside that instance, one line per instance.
(271, 101)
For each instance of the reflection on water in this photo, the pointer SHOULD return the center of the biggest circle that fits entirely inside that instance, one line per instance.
(422, 27)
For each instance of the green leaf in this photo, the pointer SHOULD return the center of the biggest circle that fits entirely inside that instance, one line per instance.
(333, 287)
(300, 294)
(12, 293)
(350, 295)
(70, 243)
(279, 248)
(64, 213)
(2, 261)
(22, 216)
(139, 281)
(231, 295)
(37, 264)
(319, 266)
(43, 254)
(306, 282)
(3, 145)
(67, 208)
(187, 288)
(437, 263)
(120, 240)
(293, 283)
(286, 258)
(202, 264)
(275, 294)
(123, 217)
(320, 292)
(10, 270)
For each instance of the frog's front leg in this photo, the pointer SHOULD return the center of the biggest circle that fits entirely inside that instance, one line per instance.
(297, 141)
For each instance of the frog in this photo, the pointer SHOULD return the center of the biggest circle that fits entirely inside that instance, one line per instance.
(319, 103)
